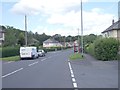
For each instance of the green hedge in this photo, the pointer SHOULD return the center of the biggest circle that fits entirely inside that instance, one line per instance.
(90, 49)
(104, 49)
(9, 51)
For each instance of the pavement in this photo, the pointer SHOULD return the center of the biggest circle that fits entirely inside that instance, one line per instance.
(92, 73)
(55, 70)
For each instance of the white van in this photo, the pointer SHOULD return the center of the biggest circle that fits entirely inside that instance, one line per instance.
(28, 52)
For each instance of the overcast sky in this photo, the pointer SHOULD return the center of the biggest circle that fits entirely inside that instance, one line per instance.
(59, 16)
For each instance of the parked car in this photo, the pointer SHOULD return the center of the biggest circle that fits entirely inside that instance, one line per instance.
(28, 52)
(41, 53)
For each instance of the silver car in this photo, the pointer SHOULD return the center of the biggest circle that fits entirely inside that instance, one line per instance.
(41, 53)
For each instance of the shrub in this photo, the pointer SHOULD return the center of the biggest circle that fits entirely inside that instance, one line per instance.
(106, 49)
(9, 51)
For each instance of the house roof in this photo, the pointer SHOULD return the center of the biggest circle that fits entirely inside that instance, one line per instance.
(50, 40)
(114, 26)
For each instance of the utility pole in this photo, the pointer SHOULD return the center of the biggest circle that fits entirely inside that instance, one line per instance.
(78, 42)
(81, 29)
(25, 30)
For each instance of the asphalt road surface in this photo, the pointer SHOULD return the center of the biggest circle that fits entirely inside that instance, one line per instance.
(51, 71)
(56, 71)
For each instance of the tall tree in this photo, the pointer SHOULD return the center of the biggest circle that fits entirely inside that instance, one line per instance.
(21, 39)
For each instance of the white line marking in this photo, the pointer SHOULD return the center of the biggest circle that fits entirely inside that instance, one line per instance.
(32, 63)
(73, 79)
(69, 65)
(43, 59)
(71, 71)
(11, 73)
(75, 85)
(72, 75)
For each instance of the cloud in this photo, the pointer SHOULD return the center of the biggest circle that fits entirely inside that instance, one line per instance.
(46, 6)
(62, 31)
(94, 21)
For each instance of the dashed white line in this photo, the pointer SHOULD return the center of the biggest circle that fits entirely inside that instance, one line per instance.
(32, 63)
(73, 79)
(72, 75)
(12, 73)
(75, 85)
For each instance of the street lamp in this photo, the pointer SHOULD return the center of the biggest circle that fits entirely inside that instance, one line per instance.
(25, 30)
(81, 29)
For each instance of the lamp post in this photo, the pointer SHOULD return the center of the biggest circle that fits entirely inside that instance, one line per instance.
(78, 42)
(81, 29)
(25, 30)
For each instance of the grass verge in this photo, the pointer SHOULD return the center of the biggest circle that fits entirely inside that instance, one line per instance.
(76, 56)
(13, 58)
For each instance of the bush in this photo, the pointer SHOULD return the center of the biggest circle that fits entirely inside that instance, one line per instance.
(90, 49)
(106, 49)
(9, 51)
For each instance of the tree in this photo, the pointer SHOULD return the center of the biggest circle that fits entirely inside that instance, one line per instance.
(21, 39)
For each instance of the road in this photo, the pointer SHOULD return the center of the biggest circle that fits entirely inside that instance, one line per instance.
(51, 71)
(55, 70)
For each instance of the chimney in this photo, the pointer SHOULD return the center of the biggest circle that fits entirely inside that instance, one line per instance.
(112, 21)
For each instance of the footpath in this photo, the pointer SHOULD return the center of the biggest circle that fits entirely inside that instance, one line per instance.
(92, 73)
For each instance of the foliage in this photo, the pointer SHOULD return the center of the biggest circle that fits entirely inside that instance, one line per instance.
(9, 51)
(13, 58)
(76, 56)
(106, 49)
(90, 49)
(21, 39)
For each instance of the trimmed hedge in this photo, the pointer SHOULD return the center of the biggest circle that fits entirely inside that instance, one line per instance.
(9, 51)
(90, 49)
(104, 49)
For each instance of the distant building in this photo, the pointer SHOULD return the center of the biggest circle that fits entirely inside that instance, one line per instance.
(51, 42)
(2, 36)
(113, 30)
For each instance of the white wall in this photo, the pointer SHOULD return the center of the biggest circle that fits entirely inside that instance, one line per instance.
(52, 45)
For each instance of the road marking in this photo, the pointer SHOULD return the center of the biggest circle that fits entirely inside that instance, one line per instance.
(73, 79)
(43, 59)
(72, 75)
(33, 63)
(12, 73)
(75, 85)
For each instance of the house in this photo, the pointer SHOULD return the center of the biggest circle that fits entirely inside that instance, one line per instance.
(2, 36)
(113, 31)
(51, 42)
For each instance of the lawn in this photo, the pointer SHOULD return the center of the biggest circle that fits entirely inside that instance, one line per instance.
(13, 58)
(76, 56)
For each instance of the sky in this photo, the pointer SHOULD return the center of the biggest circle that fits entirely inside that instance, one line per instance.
(59, 16)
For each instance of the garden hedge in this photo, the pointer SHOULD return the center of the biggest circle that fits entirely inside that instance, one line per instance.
(9, 51)
(104, 49)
